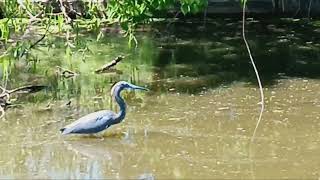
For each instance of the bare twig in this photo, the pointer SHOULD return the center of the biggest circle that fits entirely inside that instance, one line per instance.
(38, 41)
(309, 9)
(5, 98)
(255, 70)
(205, 16)
(273, 5)
(109, 65)
(63, 9)
(27, 89)
(173, 20)
(295, 14)
(4, 93)
(20, 2)
(66, 72)
(2, 112)
(31, 19)
(259, 82)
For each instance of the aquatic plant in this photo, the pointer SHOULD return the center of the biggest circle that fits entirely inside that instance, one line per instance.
(23, 20)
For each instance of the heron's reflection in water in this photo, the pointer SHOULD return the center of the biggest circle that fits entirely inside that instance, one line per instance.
(146, 176)
(108, 152)
(111, 155)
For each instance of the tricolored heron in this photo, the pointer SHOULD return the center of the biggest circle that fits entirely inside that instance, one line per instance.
(101, 120)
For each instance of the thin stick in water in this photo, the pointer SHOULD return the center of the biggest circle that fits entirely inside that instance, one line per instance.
(255, 70)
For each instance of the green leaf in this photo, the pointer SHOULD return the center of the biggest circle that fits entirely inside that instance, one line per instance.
(243, 2)
(100, 35)
(125, 26)
(184, 9)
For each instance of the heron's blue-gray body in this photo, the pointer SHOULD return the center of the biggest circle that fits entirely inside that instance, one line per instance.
(91, 123)
(101, 120)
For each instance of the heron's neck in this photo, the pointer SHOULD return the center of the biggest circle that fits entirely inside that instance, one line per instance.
(122, 113)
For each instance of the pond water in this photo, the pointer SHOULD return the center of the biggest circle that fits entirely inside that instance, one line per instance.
(195, 122)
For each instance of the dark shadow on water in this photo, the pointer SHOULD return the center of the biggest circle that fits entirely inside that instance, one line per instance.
(281, 48)
(185, 57)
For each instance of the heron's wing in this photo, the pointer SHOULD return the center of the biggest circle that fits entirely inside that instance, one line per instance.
(91, 123)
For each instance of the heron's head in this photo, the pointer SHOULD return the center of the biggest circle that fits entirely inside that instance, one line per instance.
(121, 85)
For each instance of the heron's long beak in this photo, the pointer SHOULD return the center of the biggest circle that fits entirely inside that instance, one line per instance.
(138, 87)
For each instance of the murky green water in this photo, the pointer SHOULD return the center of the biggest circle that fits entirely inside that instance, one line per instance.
(197, 120)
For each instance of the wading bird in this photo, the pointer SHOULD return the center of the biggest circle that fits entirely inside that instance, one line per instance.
(101, 120)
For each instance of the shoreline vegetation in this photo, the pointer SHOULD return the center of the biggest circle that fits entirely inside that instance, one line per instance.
(24, 24)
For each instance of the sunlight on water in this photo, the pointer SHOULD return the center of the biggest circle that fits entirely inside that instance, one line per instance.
(195, 122)
(175, 135)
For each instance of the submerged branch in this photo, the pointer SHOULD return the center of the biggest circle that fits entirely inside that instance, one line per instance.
(5, 95)
(255, 70)
(107, 67)
(66, 73)
(27, 89)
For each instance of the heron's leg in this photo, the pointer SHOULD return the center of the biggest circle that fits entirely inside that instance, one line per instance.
(99, 136)
(126, 135)
(93, 136)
